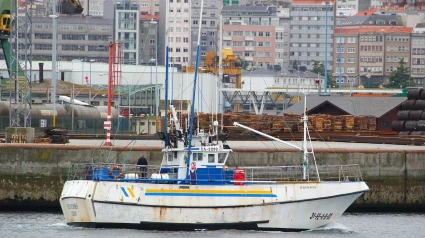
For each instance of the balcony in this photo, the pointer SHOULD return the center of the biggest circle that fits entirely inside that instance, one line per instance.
(249, 58)
(249, 38)
(227, 38)
(249, 48)
(203, 47)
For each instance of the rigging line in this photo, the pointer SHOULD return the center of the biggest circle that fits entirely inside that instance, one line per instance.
(333, 151)
(269, 147)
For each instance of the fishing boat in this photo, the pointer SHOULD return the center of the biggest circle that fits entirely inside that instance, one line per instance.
(193, 188)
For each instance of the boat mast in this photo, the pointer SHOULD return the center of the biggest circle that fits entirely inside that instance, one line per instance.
(195, 75)
(305, 156)
(220, 72)
(166, 98)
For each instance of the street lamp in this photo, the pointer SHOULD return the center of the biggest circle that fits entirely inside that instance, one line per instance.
(352, 80)
(326, 49)
(152, 61)
(91, 61)
(54, 44)
(340, 49)
(153, 22)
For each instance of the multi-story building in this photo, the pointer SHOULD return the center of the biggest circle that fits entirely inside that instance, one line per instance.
(149, 7)
(352, 7)
(127, 30)
(93, 7)
(210, 27)
(257, 34)
(78, 38)
(312, 30)
(373, 51)
(406, 4)
(417, 67)
(148, 39)
(175, 29)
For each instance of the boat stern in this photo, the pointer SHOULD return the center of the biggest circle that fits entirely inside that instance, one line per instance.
(76, 202)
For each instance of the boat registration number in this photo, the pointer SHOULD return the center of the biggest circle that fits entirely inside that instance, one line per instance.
(321, 216)
(211, 148)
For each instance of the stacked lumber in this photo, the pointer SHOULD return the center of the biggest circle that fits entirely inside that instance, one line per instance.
(289, 122)
(347, 122)
(337, 123)
(371, 123)
(360, 123)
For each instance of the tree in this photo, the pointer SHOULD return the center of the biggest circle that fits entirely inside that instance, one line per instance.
(295, 64)
(319, 68)
(244, 63)
(400, 78)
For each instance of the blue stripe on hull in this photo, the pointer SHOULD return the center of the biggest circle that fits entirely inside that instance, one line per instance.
(125, 192)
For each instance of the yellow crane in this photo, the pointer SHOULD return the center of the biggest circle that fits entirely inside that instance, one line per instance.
(231, 68)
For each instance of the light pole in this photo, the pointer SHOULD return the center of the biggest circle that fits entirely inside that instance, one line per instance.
(326, 49)
(340, 50)
(128, 103)
(153, 22)
(91, 61)
(352, 80)
(54, 44)
(152, 61)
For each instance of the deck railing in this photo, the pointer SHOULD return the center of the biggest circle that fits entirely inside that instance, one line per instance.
(275, 174)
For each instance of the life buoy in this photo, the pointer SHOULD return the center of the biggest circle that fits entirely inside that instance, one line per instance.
(111, 172)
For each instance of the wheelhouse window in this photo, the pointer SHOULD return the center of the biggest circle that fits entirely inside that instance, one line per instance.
(211, 158)
(197, 157)
(221, 157)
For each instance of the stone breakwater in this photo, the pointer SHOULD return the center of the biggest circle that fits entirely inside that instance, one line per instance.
(32, 175)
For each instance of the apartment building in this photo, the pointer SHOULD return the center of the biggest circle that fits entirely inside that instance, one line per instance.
(148, 39)
(311, 33)
(149, 7)
(175, 32)
(406, 4)
(417, 67)
(346, 55)
(210, 27)
(376, 51)
(351, 7)
(127, 30)
(257, 34)
(78, 38)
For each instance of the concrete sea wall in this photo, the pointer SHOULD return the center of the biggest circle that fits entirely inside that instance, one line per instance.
(32, 175)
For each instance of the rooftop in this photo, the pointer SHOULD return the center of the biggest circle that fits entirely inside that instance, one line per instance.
(356, 106)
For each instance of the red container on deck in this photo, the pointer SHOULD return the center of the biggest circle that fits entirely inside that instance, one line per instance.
(239, 175)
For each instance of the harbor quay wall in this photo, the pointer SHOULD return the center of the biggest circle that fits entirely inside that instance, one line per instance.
(32, 175)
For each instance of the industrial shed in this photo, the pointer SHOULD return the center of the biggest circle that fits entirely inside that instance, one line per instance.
(384, 109)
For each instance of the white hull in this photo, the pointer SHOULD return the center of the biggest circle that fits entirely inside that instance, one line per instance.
(286, 206)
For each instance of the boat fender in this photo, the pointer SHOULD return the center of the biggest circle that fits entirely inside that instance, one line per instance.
(111, 172)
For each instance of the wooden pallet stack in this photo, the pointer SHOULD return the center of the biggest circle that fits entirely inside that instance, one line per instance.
(360, 123)
(337, 123)
(327, 122)
(287, 123)
(291, 122)
(347, 122)
(371, 123)
(319, 124)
